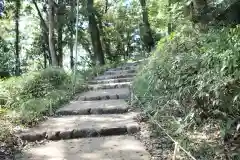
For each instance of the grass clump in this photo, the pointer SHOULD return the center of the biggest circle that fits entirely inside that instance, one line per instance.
(194, 79)
(30, 97)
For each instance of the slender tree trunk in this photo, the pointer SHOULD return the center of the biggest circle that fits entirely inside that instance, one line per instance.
(51, 32)
(45, 48)
(40, 16)
(45, 59)
(60, 24)
(128, 45)
(45, 45)
(147, 37)
(106, 6)
(60, 47)
(71, 28)
(94, 32)
(170, 17)
(71, 56)
(122, 49)
(17, 50)
(107, 46)
(45, 30)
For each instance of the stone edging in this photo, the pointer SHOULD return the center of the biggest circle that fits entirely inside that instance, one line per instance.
(80, 133)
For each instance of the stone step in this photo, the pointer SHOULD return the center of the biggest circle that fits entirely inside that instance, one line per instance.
(82, 126)
(94, 107)
(98, 148)
(111, 81)
(105, 94)
(109, 86)
(105, 77)
(119, 72)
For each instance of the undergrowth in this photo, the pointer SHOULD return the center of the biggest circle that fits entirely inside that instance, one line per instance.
(26, 100)
(191, 83)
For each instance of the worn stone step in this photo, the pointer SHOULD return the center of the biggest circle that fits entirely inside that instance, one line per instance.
(120, 72)
(105, 94)
(107, 81)
(98, 148)
(104, 77)
(81, 126)
(94, 107)
(109, 86)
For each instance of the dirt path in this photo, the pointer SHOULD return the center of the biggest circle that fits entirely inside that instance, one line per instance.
(96, 126)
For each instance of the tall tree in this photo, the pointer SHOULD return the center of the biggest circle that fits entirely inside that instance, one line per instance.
(95, 35)
(147, 33)
(51, 32)
(17, 38)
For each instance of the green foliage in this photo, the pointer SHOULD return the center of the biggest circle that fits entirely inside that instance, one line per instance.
(6, 134)
(6, 56)
(30, 96)
(27, 99)
(193, 77)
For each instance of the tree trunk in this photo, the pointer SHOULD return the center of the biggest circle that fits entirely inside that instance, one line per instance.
(170, 17)
(17, 50)
(147, 37)
(121, 44)
(45, 45)
(128, 51)
(45, 30)
(94, 32)
(45, 48)
(60, 24)
(60, 47)
(71, 56)
(105, 41)
(107, 46)
(40, 16)
(45, 59)
(51, 32)
(71, 29)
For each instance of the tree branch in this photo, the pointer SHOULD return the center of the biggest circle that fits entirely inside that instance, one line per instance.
(40, 15)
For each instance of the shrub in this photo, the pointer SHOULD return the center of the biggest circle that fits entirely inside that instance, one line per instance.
(30, 96)
(196, 74)
(33, 95)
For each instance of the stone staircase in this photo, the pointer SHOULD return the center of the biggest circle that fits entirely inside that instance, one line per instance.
(97, 125)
